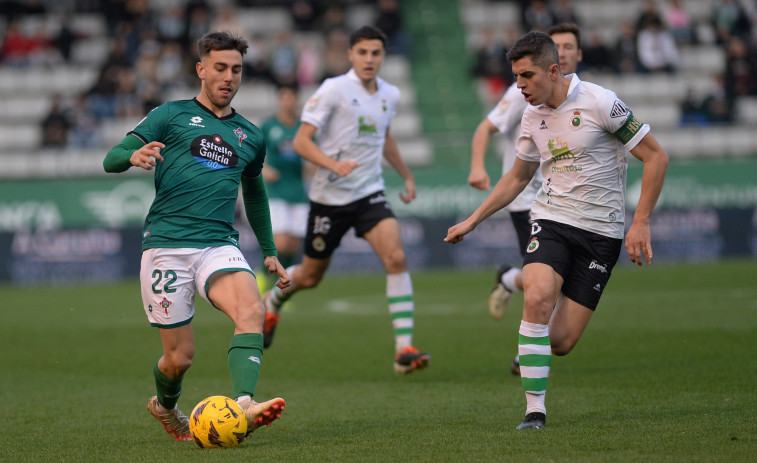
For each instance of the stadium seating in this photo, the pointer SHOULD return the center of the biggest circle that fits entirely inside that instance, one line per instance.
(436, 116)
(655, 98)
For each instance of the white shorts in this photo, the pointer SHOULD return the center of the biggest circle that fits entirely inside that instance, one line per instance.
(289, 218)
(171, 276)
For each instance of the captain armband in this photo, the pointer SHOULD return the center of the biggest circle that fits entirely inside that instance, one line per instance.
(628, 130)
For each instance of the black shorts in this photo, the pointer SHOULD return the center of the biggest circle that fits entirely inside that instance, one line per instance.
(328, 224)
(583, 259)
(522, 224)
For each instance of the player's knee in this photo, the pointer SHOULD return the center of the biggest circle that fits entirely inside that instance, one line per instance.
(309, 281)
(536, 308)
(395, 261)
(177, 365)
(562, 346)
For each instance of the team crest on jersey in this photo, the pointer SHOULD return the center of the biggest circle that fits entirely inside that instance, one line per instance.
(619, 109)
(575, 121)
(238, 132)
(213, 152)
(532, 246)
(165, 304)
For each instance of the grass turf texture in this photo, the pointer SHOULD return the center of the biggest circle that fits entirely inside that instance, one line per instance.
(665, 372)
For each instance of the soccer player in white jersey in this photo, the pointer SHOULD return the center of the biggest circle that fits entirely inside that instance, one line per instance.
(345, 132)
(505, 118)
(578, 134)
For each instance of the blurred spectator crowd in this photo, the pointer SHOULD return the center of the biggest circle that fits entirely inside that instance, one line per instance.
(648, 44)
(152, 49)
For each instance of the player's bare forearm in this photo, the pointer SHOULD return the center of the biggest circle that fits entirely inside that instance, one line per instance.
(639, 237)
(305, 146)
(506, 189)
(478, 177)
(655, 162)
(393, 157)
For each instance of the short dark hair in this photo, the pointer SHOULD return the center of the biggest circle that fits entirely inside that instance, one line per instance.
(539, 46)
(223, 40)
(367, 33)
(288, 86)
(566, 28)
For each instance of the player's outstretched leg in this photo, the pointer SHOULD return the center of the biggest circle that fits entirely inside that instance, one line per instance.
(174, 421)
(262, 413)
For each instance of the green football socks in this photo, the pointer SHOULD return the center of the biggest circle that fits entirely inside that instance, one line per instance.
(244, 363)
(535, 360)
(169, 389)
(399, 294)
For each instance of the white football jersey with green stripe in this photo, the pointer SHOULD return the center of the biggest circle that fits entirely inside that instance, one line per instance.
(582, 147)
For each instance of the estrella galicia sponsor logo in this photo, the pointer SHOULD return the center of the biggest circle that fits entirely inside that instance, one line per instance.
(196, 121)
(532, 246)
(594, 265)
(213, 152)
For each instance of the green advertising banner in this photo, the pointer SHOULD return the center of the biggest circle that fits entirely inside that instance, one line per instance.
(114, 202)
(123, 200)
(719, 184)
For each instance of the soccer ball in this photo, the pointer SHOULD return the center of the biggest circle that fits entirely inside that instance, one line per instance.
(218, 421)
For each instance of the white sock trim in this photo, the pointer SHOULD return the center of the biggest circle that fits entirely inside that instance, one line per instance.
(508, 279)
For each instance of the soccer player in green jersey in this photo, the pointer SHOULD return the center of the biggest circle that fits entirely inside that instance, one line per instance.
(201, 150)
(285, 174)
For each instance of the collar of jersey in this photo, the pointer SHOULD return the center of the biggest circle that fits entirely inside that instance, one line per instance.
(352, 75)
(207, 110)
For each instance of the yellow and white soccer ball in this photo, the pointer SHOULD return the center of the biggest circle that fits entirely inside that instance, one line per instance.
(217, 421)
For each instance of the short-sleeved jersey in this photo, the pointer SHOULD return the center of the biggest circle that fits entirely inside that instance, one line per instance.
(352, 125)
(197, 184)
(281, 156)
(506, 117)
(582, 147)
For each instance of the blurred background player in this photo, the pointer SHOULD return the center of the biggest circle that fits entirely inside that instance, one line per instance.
(351, 115)
(505, 118)
(202, 150)
(578, 133)
(285, 175)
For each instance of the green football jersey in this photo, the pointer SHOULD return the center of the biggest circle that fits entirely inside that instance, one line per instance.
(197, 184)
(283, 158)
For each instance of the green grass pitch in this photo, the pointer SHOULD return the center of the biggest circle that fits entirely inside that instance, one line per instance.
(665, 372)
